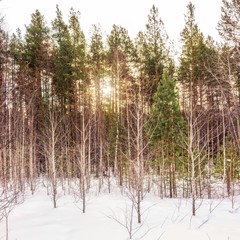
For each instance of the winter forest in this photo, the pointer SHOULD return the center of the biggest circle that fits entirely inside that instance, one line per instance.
(120, 112)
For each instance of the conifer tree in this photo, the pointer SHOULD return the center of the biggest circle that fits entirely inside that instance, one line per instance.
(229, 30)
(229, 25)
(82, 116)
(228, 75)
(34, 54)
(79, 66)
(62, 62)
(152, 53)
(79, 47)
(120, 50)
(167, 126)
(191, 76)
(35, 57)
(189, 73)
(97, 69)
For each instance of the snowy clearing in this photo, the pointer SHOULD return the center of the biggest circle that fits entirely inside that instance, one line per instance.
(107, 214)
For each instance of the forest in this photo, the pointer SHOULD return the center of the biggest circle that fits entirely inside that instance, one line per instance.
(73, 110)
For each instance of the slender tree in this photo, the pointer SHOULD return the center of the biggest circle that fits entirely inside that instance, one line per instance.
(62, 80)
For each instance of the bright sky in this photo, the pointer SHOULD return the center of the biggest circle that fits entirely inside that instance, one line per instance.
(131, 14)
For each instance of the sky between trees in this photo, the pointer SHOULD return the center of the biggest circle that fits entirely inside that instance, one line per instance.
(131, 15)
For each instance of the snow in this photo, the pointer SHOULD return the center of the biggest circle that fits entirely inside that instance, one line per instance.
(106, 213)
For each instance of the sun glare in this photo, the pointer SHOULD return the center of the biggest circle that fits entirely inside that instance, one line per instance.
(106, 90)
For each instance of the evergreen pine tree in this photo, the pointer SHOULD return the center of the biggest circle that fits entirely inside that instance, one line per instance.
(62, 62)
(152, 54)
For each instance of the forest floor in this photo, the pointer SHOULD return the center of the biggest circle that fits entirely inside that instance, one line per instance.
(108, 215)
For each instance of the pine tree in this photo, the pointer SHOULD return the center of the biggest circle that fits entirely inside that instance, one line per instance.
(120, 50)
(191, 74)
(35, 56)
(166, 111)
(152, 53)
(229, 77)
(36, 60)
(229, 25)
(79, 47)
(79, 73)
(167, 126)
(96, 61)
(229, 30)
(62, 62)
(36, 34)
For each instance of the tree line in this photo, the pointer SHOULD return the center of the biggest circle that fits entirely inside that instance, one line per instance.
(72, 109)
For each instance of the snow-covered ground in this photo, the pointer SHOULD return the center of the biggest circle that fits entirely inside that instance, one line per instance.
(107, 214)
